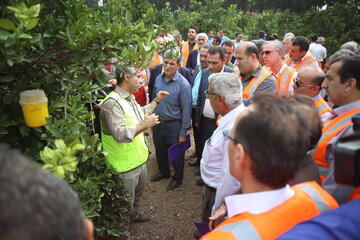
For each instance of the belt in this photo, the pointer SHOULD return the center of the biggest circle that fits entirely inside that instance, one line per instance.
(211, 189)
(166, 121)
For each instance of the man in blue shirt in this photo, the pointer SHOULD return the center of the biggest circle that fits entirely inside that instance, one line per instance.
(174, 114)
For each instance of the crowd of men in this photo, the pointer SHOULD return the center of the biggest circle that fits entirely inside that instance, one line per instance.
(266, 118)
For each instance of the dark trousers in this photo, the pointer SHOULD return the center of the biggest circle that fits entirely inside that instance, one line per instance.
(207, 127)
(196, 134)
(165, 135)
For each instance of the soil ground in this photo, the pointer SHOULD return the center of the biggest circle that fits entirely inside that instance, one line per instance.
(173, 213)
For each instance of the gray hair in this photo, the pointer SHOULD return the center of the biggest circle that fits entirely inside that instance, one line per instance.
(172, 54)
(352, 46)
(123, 69)
(320, 40)
(206, 45)
(227, 85)
(289, 34)
(202, 35)
(278, 45)
(341, 54)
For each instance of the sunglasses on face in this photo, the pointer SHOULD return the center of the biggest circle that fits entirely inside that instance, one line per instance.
(267, 52)
(299, 84)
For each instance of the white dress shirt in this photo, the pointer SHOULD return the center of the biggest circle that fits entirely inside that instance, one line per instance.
(258, 202)
(215, 162)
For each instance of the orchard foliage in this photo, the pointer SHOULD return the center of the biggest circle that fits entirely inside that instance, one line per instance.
(338, 23)
(60, 47)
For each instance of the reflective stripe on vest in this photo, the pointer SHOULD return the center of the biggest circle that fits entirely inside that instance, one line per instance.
(302, 63)
(124, 157)
(309, 200)
(185, 52)
(284, 80)
(322, 106)
(255, 82)
(330, 130)
(156, 60)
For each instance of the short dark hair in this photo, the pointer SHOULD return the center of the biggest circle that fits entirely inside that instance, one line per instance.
(305, 105)
(35, 204)
(275, 155)
(195, 28)
(350, 68)
(237, 34)
(228, 43)
(254, 49)
(318, 80)
(301, 41)
(262, 34)
(314, 38)
(217, 50)
(218, 38)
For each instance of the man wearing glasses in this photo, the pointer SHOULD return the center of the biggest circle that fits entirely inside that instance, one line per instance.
(255, 78)
(308, 82)
(224, 95)
(273, 55)
(264, 160)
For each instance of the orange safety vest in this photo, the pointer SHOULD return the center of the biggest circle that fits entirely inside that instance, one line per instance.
(287, 57)
(185, 52)
(330, 130)
(309, 201)
(284, 80)
(306, 61)
(156, 60)
(255, 82)
(322, 106)
(355, 194)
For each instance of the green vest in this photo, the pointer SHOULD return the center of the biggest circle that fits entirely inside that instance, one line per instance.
(124, 157)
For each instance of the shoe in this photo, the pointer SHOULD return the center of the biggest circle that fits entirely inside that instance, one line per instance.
(173, 184)
(197, 173)
(142, 218)
(194, 163)
(157, 177)
(193, 154)
(200, 182)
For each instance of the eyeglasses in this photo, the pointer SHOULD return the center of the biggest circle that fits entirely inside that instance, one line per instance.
(267, 52)
(299, 84)
(207, 93)
(227, 135)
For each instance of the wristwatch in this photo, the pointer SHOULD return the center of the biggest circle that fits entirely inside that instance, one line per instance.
(157, 101)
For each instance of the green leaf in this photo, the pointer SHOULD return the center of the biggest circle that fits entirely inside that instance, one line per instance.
(31, 24)
(60, 144)
(24, 131)
(149, 12)
(7, 78)
(4, 35)
(3, 131)
(7, 24)
(25, 36)
(33, 11)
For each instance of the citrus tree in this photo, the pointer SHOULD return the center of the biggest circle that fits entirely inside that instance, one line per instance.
(61, 47)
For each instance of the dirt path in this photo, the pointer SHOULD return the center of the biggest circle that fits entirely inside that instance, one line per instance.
(172, 213)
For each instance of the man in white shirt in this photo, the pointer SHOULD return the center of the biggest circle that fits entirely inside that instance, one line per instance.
(225, 96)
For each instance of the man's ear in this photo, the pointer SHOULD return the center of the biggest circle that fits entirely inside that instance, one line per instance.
(350, 84)
(89, 229)
(239, 161)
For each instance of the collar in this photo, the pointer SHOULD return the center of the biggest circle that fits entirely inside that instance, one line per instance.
(258, 202)
(281, 70)
(306, 54)
(343, 109)
(230, 116)
(123, 93)
(174, 78)
(314, 98)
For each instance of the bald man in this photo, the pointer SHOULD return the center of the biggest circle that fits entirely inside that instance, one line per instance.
(308, 82)
(255, 78)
